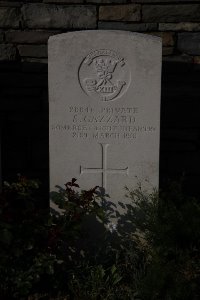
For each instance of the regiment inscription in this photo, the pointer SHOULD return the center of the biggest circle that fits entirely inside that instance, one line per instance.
(115, 124)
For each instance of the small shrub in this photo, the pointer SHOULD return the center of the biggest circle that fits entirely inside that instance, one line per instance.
(169, 225)
(150, 253)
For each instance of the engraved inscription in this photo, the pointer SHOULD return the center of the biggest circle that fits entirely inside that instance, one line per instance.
(104, 75)
(107, 123)
(104, 170)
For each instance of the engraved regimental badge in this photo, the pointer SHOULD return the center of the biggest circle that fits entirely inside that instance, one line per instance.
(104, 75)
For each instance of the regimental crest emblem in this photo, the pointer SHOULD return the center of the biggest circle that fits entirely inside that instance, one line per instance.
(103, 74)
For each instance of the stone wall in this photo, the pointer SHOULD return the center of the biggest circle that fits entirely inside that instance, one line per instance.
(25, 27)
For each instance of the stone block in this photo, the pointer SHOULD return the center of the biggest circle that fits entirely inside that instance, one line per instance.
(9, 17)
(182, 26)
(37, 15)
(189, 43)
(137, 27)
(33, 50)
(129, 12)
(28, 37)
(171, 13)
(167, 38)
(7, 52)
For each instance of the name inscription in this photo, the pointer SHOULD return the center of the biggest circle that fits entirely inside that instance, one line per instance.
(118, 123)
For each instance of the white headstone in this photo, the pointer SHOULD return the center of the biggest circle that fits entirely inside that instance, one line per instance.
(104, 109)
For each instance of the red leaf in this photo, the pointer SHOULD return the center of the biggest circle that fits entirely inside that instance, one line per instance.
(76, 185)
(74, 180)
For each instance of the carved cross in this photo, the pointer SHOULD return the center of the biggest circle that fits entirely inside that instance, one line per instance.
(103, 170)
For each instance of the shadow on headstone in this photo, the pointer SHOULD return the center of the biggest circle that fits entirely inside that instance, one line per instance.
(99, 234)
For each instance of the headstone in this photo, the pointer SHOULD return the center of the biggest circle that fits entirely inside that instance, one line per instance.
(104, 109)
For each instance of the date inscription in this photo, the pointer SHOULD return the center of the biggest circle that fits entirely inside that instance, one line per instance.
(105, 123)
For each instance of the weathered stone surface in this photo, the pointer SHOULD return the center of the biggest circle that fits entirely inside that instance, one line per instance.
(171, 13)
(104, 125)
(182, 26)
(33, 50)
(167, 38)
(52, 16)
(9, 17)
(28, 37)
(129, 12)
(189, 43)
(142, 27)
(7, 52)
